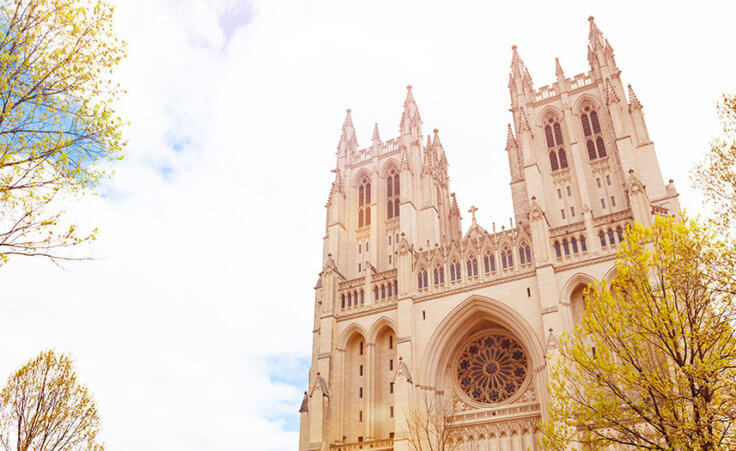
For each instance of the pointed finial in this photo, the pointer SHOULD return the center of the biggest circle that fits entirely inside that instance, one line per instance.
(376, 136)
(348, 139)
(633, 100)
(510, 140)
(558, 69)
(436, 140)
(429, 142)
(410, 119)
(611, 95)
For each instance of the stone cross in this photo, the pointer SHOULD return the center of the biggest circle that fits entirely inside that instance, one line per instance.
(472, 211)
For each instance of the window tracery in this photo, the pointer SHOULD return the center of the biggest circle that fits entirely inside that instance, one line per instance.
(555, 145)
(393, 184)
(492, 367)
(593, 135)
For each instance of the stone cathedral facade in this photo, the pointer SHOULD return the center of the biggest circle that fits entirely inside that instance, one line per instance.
(408, 306)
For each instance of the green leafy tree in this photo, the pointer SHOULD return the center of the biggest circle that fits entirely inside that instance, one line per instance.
(44, 408)
(57, 123)
(651, 364)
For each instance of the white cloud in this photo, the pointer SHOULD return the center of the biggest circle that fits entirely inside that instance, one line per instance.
(203, 287)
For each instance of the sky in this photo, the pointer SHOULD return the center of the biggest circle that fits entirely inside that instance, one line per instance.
(192, 326)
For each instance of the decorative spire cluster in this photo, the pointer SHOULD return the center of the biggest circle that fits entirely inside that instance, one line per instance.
(348, 139)
(519, 79)
(411, 122)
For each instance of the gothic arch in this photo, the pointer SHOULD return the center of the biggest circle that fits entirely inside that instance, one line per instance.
(348, 333)
(610, 274)
(454, 327)
(547, 111)
(389, 164)
(586, 99)
(363, 172)
(573, 282)
(378, 327)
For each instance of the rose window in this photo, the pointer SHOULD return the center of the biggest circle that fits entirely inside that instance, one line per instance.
(492, 368)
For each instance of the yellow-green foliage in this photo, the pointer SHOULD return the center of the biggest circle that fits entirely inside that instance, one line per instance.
(43, 407)
(651, 364)
(716, 175)
(57, 122)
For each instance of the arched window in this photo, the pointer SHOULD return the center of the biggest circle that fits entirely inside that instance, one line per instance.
(489, 261)
(558, 252)
(563, 158)
(362, 297)
(422, 278)
(343, 300)
(439, 275)
(375, 291)
(602, 237)
(591, 150)
(574, 244)
(383, 291)
(392, 194)
(620, 233)
(390, 290)
(350, 299)
(396, 287)
(566, 247)
(555, 145)
(507, 258)
(611, 238)
(364, 200)
(553, 161)
(472, 265)
(592, 131)
(601, 147)
(454, 271)
(525, 254)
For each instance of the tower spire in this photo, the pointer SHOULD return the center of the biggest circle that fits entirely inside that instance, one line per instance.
(510, 140)
(411, 122)
(600, 52)
(520, 82)
(376, 136)
(558, 69)
(348, 140)
(633, 100)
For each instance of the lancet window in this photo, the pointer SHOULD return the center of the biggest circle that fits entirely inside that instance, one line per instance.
(489, 262)
(592, 131)
(439, 275)
(422, 278)
(525, 254)
(555, 145)
(393, 191)
(454, 271)
(472, 266)
(507, 258)
(364, 200)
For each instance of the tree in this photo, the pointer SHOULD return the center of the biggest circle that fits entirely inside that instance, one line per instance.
(652, 362)
(715, 176)
(43, 407)
(428, 422)
(57, 123)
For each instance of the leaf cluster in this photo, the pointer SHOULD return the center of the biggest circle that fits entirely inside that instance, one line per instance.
(57, 121)
(652, 363)
(43, 407)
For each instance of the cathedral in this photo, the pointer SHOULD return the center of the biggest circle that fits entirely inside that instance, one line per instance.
(408, 307)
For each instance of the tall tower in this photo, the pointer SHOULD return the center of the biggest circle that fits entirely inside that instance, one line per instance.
(409, 310)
